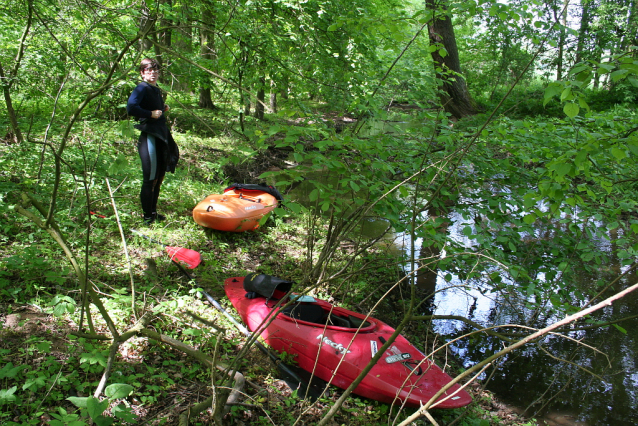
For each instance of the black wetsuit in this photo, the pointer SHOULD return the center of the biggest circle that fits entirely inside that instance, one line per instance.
(156, 146)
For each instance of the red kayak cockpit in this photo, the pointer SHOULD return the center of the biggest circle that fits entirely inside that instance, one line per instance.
(303, 309)
(331, 317)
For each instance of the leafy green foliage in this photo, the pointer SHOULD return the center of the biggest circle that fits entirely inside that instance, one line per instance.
(537, 191)
(96, 408)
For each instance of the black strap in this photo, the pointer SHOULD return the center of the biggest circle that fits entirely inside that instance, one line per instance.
(257, 187)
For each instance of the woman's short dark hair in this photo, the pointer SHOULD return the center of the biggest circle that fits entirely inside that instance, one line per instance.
(148, 63)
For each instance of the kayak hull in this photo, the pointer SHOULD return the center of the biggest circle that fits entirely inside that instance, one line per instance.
(234, 210)
(339, 346)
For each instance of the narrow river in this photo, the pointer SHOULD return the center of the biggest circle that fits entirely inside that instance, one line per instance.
(590, 379)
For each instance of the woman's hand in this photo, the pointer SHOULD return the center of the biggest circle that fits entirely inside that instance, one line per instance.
(166, 108)
(156, 114)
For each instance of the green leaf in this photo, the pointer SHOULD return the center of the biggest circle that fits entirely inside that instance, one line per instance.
(9, 371)
(580, 158)
(119, 165)
(620, 154)
(126, 129)
(561, 169)
(619, 328)
(619, 75)
(118, 390)
(280, 211)
(579, 68)
(605, 68)
(104, 421)
(96, 407)
(566, 94)
(263, 220)
(571, 109)
(7, 395)
(295, 207)
(44, 347)
(79, 402)
(551, 91)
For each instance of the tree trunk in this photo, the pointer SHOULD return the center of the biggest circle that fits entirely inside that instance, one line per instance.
(630, 34)
(6, 81)
(273, 97)
(165, 39)
(454, 95)
(283, 87)
(13, 120)
(247, 107)
(205, 99)
(261, 97)
(598, 58)
(562, 18)
(207, 51)
(583, 32)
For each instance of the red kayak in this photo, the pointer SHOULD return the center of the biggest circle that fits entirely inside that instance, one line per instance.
(326, 342)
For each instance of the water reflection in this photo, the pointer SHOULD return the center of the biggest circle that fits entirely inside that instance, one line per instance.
(559, 381)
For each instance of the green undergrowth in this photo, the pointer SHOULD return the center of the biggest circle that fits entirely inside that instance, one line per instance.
(47, 370)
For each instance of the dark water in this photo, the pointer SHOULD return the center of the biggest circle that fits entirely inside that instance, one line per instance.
(558, 381)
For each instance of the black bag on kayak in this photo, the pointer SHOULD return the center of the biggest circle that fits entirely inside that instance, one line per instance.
(248, 187)
(266, 285)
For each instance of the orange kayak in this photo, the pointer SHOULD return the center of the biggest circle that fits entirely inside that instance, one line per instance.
(240, 208)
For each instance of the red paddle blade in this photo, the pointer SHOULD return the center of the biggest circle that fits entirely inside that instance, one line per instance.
(190, 258)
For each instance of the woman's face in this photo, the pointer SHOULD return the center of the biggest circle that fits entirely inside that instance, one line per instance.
(150, 75)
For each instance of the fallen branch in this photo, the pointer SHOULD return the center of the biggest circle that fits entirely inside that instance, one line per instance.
(128, 259)
(143, 322)
(236, 376)
(90, 335)
(204, 321)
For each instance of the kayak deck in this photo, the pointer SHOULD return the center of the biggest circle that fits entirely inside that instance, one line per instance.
(234, 211)
(336, 344)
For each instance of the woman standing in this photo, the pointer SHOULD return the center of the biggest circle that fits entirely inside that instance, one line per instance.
(156, 146)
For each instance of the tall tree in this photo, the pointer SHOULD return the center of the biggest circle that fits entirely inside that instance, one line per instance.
(454, 94)
(8, 78)
(207, 52)
(630, 33)
(163, 36)
(261, 97)
(561, 17)
(583, 32)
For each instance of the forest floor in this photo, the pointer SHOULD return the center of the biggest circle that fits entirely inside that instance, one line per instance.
(267, 392)
(40, 348)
